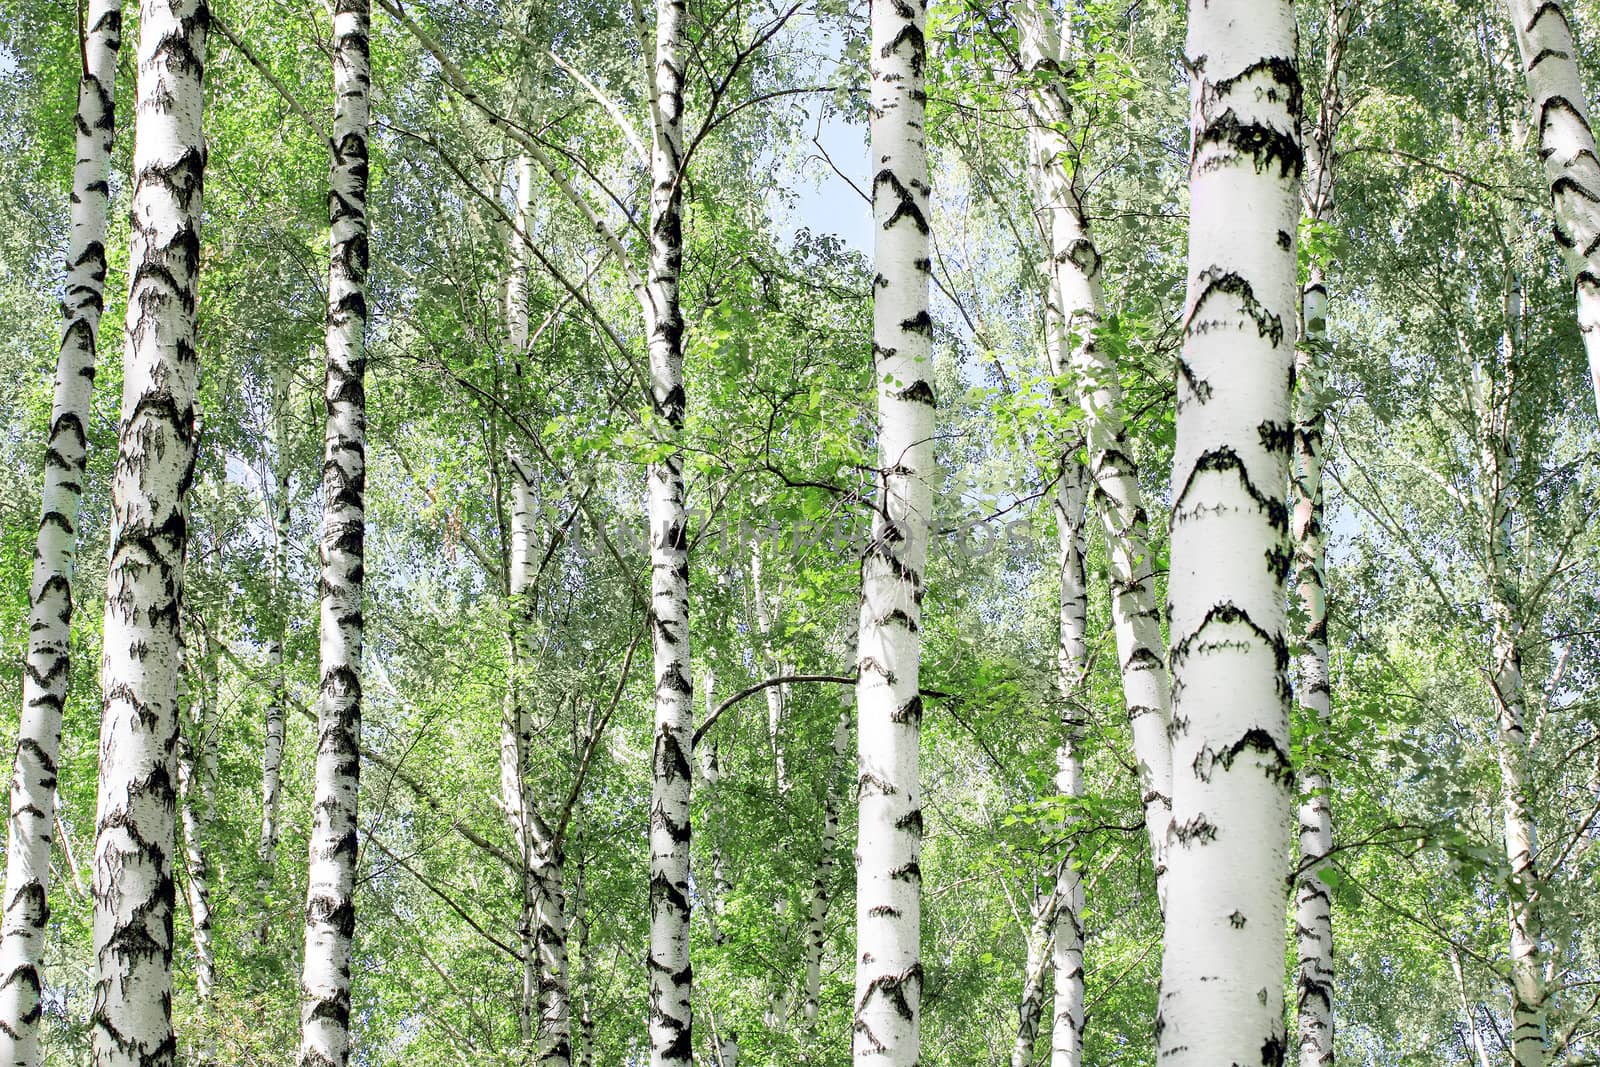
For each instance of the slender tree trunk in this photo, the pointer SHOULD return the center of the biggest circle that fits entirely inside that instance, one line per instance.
(131, 1020)
(777, 695)
(1567, 147)
(550, 942)
(1222, 974)
(278, 699)
(822, 878)
(516, 726)
(671, 1039)
(1313, 906)
(195, 814)
(1313, 922)
(1480, 1053)
(330, 905)
(888, 985)
(545, 1007)
(1074, 267)
(47, 667)
(1495, 397)
(1035, 973)
(1072, 309)
(1072, 670)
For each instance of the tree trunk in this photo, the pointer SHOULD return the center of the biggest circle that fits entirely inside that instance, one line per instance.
(1222, 974)
(1313, 906)
(888, 984)
(671, 1040)
(1313, 912)
(516, 726)
(1566, 145)
(131, 1020)
(47, 667)
(777, 695)
(1494, 394)
(585, 994)
(822, 878)
(1035, 970)
(1072, 670)
(330, 907)
(550, 944)
(1074, 268)
(278, 700)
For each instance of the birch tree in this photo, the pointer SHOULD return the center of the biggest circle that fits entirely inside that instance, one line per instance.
(1567, 148)
(330, 905)
(888, 985)
(1314, 984)
(1494, 389)
(32, 811)
(134, 837)
(1074, 267)
(277, 703)
(1222, 972)
(670, 1022)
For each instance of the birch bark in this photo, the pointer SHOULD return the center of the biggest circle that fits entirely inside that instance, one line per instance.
(1567, 148)
(670, 1022)
(1221, 995)
(131, 1019)
(1096, 385)
(1313, 906)
(516, 727)
(888, 981)
(47, 666)
(1494, 394)
(277, 703)
(330, 906)
(822, 879)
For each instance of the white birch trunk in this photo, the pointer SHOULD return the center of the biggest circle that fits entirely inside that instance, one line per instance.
(278, 699)
(1035, 972)
(777, 695)
(131, 1020)
(47, 667)
(1567, 147)
(1071, 310)
(822, 878)
(1495, 392)
(550, 945)
(330, 906)
(516, 726)
(670, 1022)
(1313, 924)
(1074, 267)
(888, 980)
(1221, 995)
(1072, 669)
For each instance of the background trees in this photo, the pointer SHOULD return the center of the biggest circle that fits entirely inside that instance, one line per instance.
(507, 548)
